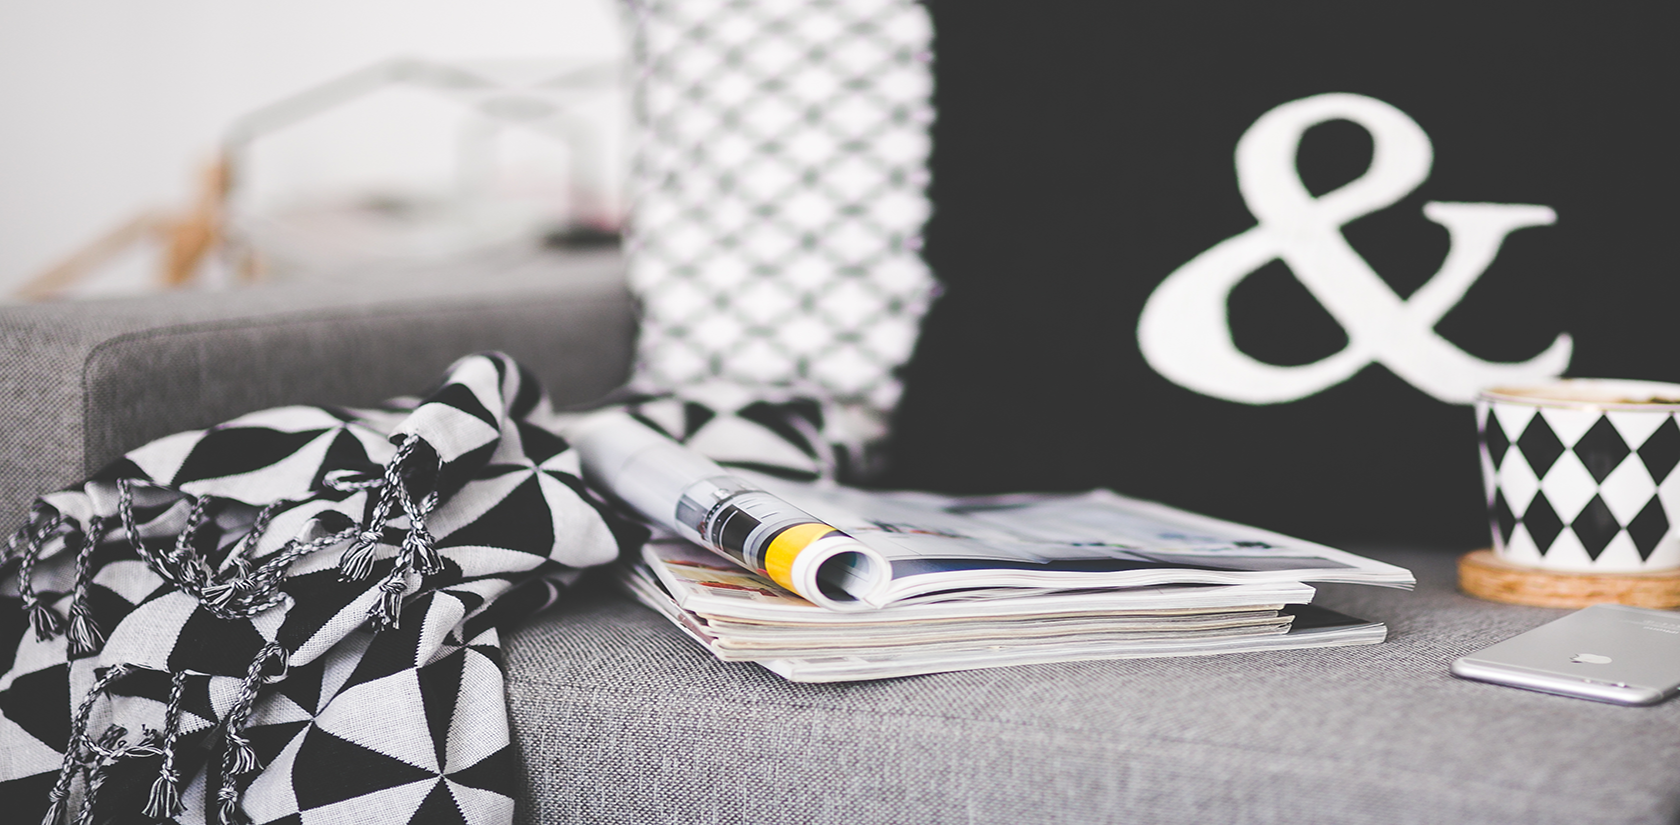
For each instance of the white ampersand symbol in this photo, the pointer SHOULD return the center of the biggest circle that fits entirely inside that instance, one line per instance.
(1184, 331)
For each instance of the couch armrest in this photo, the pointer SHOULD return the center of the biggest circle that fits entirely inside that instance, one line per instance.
(84, 382)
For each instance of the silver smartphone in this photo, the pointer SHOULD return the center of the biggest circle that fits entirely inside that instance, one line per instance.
(1607, 653)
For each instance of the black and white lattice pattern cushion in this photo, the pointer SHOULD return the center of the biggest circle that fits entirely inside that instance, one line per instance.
(779, 192)
(1551, 504)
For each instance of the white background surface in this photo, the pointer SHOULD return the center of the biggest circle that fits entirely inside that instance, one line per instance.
(109, 107)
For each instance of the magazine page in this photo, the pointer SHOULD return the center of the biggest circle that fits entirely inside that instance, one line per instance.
(729, 643)
(871, 657)
(702, 583)
(1093, 539)
(1329, 629)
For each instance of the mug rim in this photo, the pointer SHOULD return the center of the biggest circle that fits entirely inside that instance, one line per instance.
(1531, 395)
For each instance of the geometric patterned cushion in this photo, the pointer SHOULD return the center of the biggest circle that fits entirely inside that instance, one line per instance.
(779, 193)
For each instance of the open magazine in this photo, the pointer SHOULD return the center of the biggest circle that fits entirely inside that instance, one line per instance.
(699, 582)
(938, 543)
(848, 549)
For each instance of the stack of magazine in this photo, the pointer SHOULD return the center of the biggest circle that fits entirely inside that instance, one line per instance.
(818, 582)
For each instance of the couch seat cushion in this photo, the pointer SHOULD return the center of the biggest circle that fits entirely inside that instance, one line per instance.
(620, 719)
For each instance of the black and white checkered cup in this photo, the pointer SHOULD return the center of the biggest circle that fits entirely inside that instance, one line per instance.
(1580, 474)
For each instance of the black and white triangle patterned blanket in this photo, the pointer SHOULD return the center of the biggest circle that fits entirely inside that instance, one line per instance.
(292, 617)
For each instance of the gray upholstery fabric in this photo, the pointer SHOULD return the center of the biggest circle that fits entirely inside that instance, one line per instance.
(85, 381)
(622, 720)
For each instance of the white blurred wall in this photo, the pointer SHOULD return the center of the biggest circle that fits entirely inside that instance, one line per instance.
(109, 107)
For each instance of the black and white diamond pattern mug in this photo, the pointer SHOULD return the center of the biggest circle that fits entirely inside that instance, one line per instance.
(1580, 474)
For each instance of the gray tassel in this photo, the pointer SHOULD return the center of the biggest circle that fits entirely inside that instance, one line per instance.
(42, 618)
(357, 562)
(55, 811)
(76, 751)
(228, 798)
(184, 556)
(85, 635)
(244, 757)
(165, 799)
(238, 757)
(418, 551)
(387, 610)
(419, 545)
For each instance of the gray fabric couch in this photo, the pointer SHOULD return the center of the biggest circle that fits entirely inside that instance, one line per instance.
(620, 719)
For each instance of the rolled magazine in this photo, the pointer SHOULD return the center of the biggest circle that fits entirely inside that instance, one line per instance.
(692, 496)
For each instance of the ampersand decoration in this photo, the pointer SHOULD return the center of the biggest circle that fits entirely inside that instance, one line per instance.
(1184, 331)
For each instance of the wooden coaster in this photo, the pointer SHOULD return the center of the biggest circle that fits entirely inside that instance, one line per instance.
(1484, 575)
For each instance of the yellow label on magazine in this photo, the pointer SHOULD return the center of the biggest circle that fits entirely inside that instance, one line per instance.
(779, 556)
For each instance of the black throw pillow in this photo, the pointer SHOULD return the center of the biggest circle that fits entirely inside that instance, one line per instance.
(1270, 334)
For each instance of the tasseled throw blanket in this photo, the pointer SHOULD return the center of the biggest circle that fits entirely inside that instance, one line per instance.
(292, 617)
